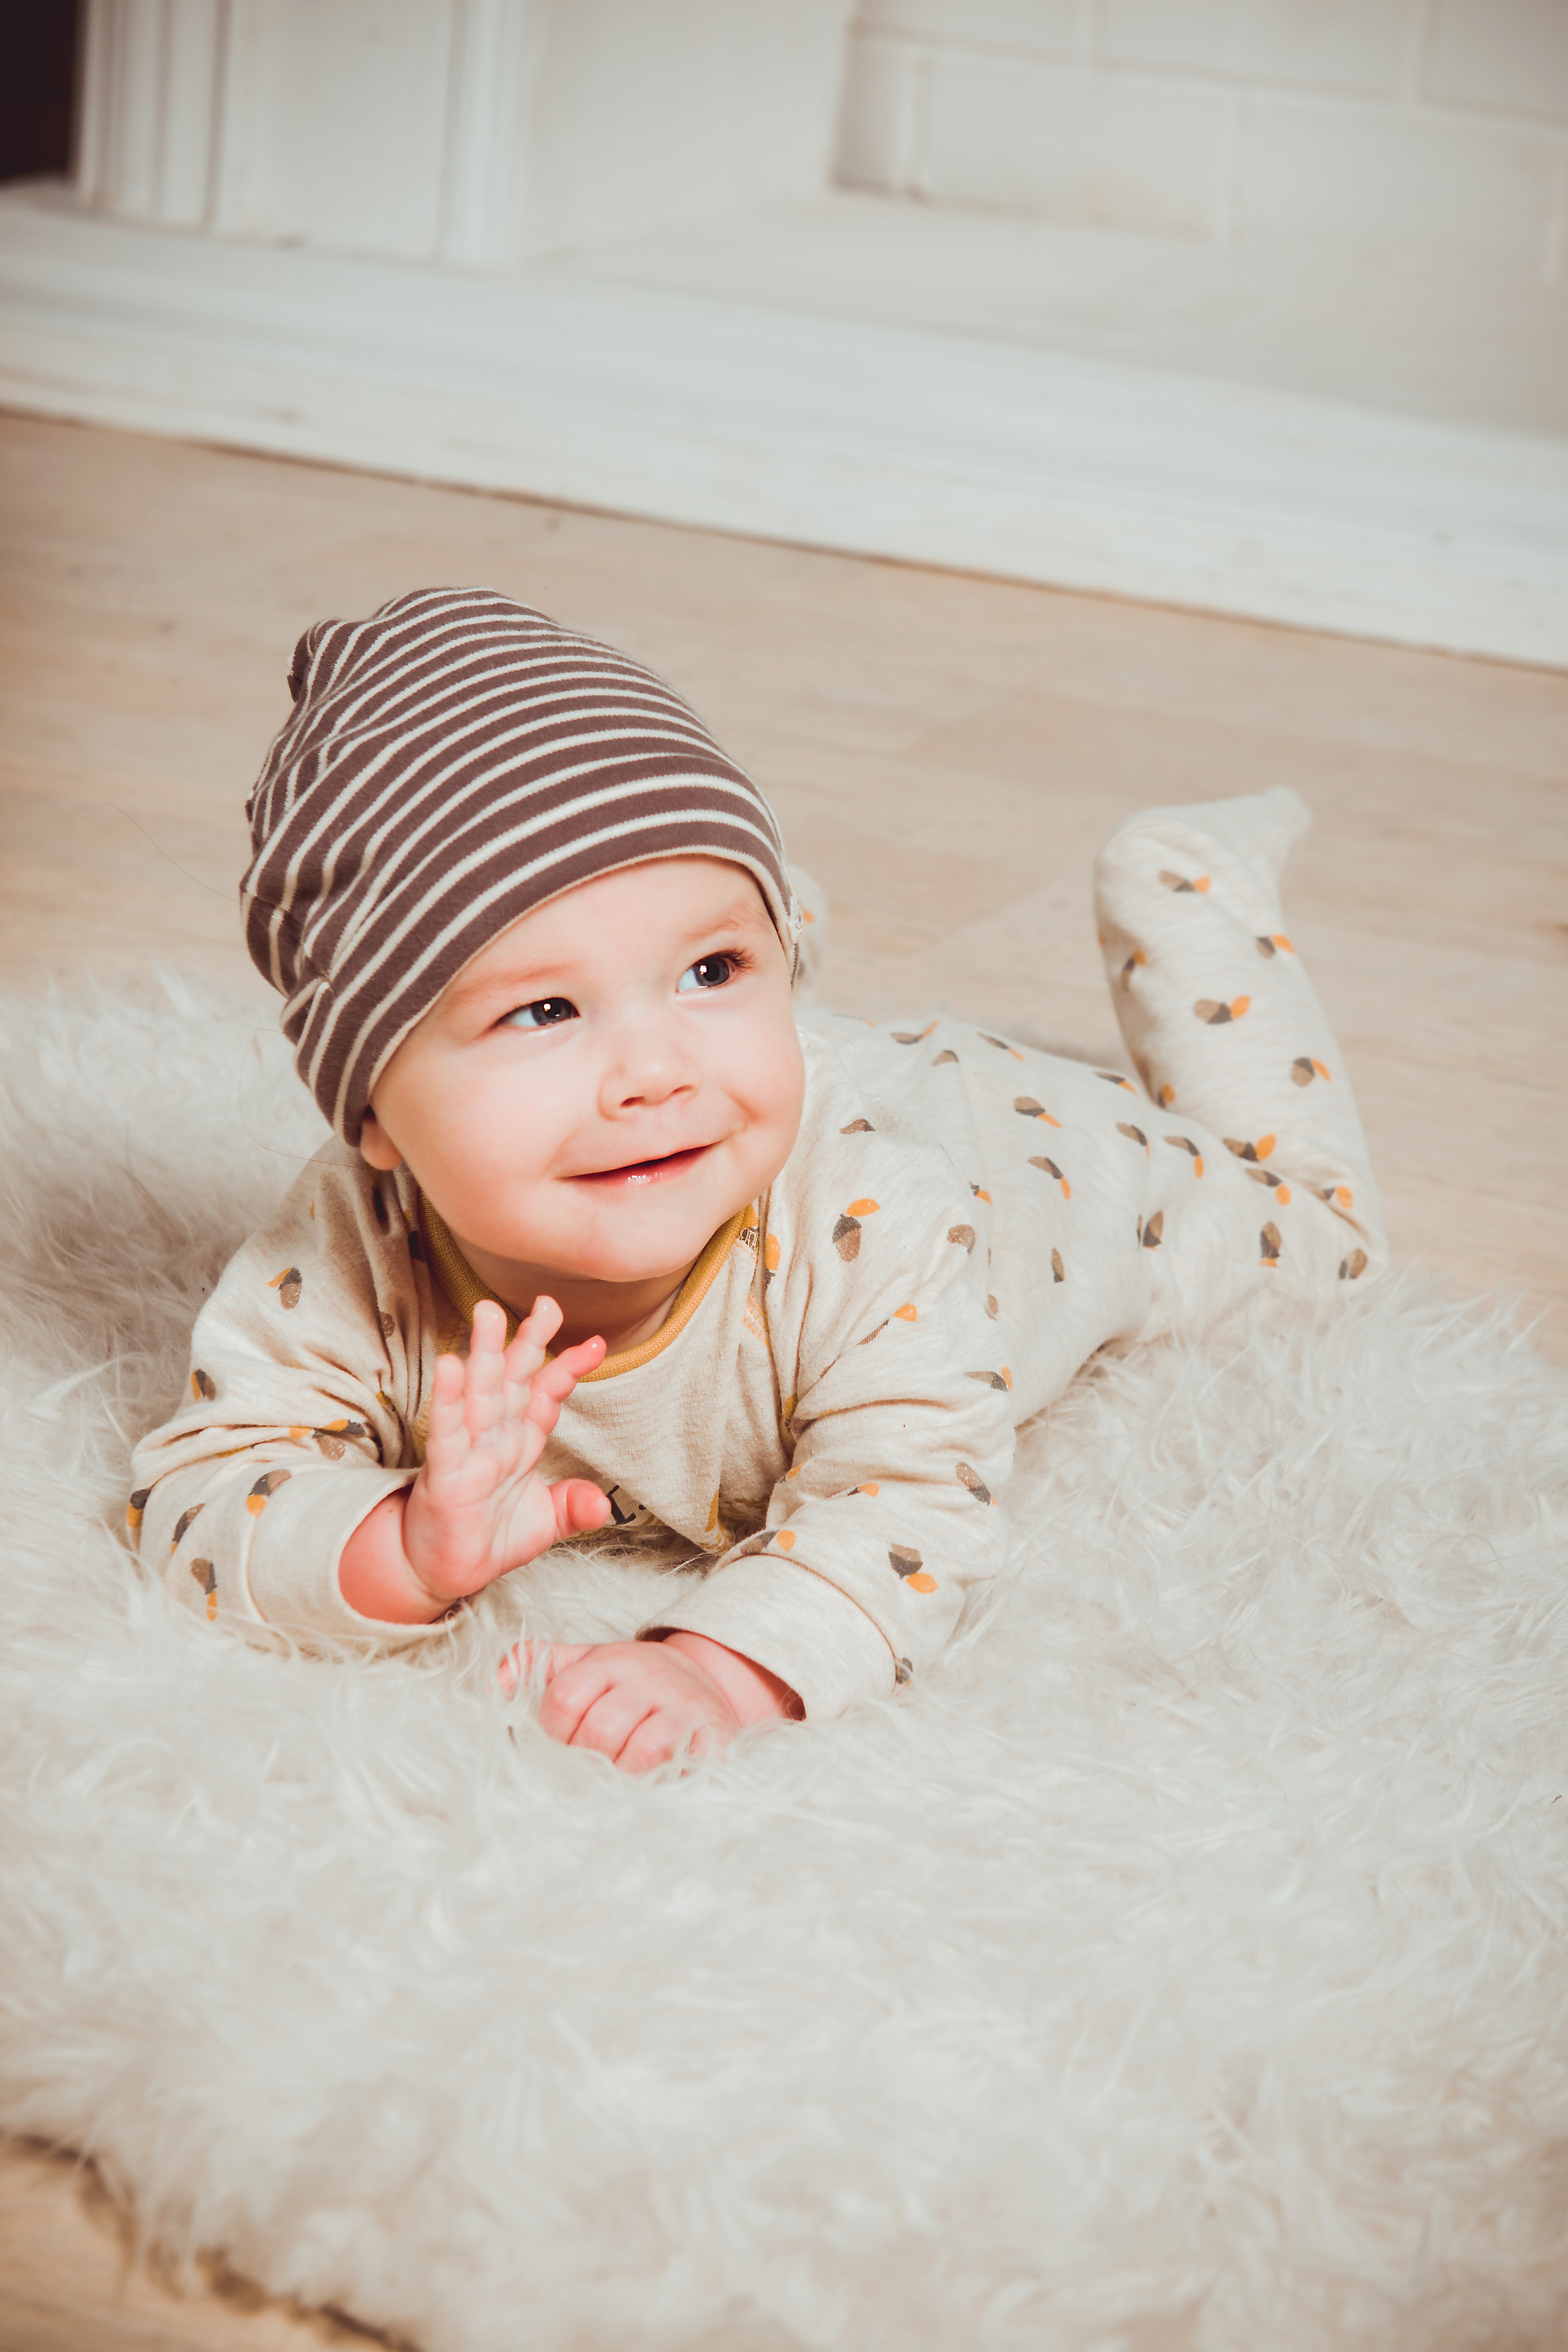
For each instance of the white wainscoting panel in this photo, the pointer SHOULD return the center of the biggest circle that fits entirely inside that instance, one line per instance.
(883, 439)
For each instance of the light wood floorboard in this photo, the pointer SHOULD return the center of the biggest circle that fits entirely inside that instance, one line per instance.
(945, 753)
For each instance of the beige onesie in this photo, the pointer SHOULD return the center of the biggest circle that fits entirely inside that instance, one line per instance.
(827, 1413)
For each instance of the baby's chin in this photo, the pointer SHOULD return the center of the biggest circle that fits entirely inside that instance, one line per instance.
(615, 1243)
(649, 1248)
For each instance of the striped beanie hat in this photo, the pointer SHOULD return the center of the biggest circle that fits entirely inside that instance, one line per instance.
(450, 763)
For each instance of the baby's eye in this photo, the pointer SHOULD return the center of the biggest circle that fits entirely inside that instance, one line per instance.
(544, 1014)
(709, 971)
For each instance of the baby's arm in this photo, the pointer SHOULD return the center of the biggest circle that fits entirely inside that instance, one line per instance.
(900, 1425)
(309, 1371)
(900, 1421)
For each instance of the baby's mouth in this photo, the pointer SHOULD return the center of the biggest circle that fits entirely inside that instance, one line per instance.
(645, 1172)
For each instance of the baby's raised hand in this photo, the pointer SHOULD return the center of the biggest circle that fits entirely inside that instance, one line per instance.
(478, 1507)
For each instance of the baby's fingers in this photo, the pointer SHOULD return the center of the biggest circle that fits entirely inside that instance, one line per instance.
(521, 1363)
(661, 1735)
(554, 1381)
(486, 1373)
(519, 1660)
(531, 1340)
(580, 1506)
(446, 1444)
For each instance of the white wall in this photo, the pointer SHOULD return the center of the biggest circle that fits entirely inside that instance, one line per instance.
(471, 130)
(486, 130)
(319, 226)
(1435, 124)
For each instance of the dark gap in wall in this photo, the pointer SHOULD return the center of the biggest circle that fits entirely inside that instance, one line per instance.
(38, 86)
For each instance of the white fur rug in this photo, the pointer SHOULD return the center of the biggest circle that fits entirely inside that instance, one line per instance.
(1182, 1967)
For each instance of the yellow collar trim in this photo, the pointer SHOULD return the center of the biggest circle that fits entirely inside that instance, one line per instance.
(464, 1289)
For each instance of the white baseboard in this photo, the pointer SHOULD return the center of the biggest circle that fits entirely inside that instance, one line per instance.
(937, 448)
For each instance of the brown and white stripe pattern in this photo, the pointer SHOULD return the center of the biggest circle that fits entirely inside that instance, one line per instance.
(451, 763)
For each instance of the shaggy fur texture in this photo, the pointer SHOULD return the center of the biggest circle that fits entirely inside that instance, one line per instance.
(1182, 1967)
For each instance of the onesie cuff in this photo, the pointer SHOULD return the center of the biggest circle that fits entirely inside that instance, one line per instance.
(292, 1572)
(796, 1624)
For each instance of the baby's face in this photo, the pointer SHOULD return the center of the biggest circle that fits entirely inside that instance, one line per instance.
(608, 1082)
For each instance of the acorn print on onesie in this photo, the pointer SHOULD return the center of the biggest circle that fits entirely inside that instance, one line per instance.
(846, 1232)
(911, 1568)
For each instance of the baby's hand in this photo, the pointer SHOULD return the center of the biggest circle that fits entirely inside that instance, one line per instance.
(479, 1506)
(640, 1703)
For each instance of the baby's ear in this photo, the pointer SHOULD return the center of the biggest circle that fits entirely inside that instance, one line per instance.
(376, 1146)
(812, 900)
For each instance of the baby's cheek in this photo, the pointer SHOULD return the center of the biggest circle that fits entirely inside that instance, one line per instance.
(770, 1083)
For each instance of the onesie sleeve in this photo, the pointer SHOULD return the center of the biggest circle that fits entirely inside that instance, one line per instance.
(900, 1423)
(305, 1370)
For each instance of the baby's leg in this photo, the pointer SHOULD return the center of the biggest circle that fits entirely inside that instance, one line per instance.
(1222, 1021)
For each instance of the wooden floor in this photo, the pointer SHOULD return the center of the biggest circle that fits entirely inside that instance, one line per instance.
(945, 754)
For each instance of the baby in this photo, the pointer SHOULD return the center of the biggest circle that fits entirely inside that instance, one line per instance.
(802, 1278)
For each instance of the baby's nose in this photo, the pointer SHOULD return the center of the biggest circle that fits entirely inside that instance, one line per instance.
(651, 1067)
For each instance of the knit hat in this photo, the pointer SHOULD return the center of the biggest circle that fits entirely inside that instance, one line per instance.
(452, 762)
